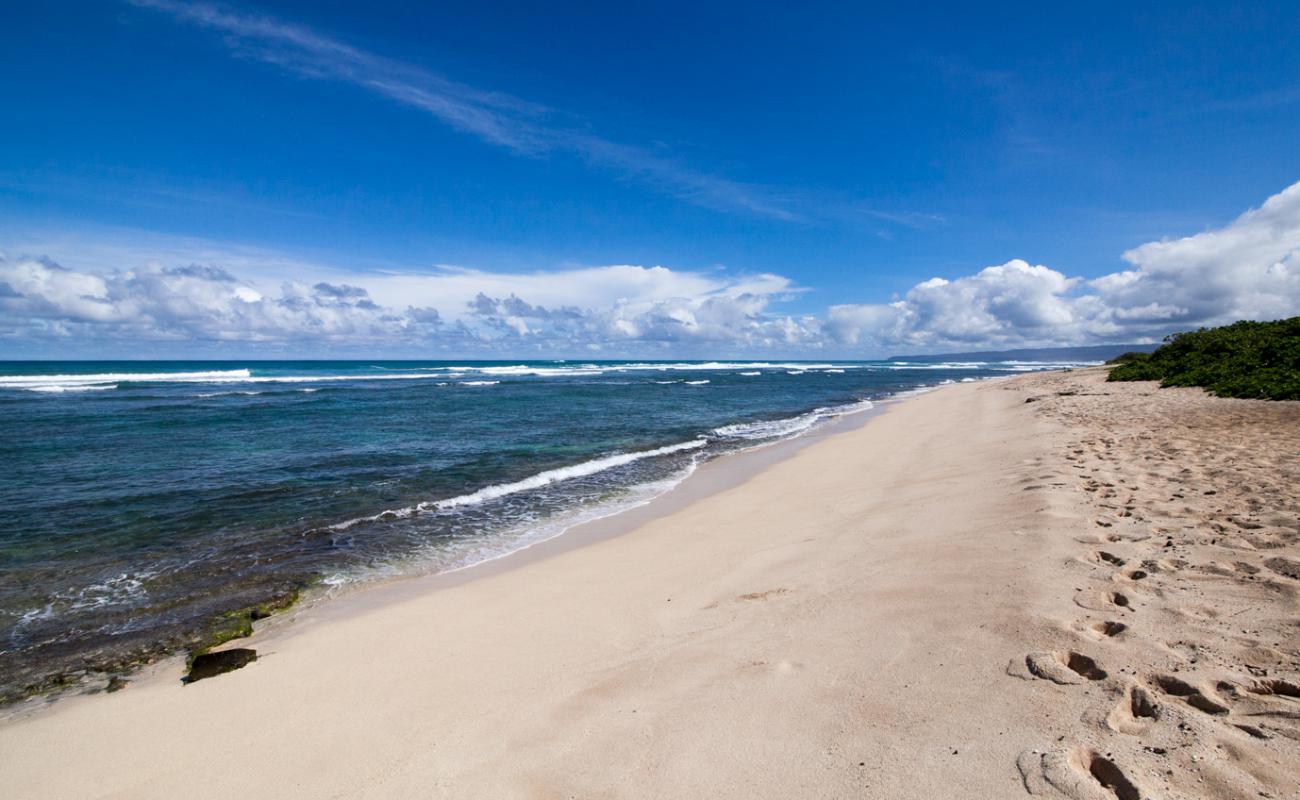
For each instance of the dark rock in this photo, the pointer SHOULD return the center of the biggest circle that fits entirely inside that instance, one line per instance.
(211, 664)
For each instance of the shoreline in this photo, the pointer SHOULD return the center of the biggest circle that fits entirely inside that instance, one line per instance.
(343, 696)
(318, 605)
(718, 474)
(984, 592)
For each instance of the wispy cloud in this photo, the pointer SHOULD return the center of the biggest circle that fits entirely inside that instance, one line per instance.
(520, 126)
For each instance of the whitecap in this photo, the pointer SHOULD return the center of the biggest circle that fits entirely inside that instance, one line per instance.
(788, 426)
(545, 478)
(75, 381)
(57, 389)
(244, 392)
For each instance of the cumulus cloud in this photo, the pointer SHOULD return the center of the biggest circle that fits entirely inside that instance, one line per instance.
(193, 302)
(1249, 269)
(628, 308)
(652, 307)
(1011, 303)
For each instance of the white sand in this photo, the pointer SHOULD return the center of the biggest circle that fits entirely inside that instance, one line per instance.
(888, 613)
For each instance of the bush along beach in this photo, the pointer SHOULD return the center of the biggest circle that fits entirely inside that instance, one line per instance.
(1245, 359)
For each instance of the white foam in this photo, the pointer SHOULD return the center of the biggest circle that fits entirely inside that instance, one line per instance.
(563, 473)
(54, 383)
(411, 376)
(57, 389)
(641, 366)
(750, 374)
(524, 369)
(696, 383)
(244, 392)
(121, 589)
(70, 382)
(995, 366)
(944, 365)
(787, 426)
(479, 383)
(795, 371)
(111, 377)
(836, 371)
(461, 553)
(537, 481)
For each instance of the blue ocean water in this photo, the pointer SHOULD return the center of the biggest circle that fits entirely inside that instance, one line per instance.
(141, 500)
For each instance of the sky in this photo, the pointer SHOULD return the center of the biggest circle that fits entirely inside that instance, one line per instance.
(696, 180)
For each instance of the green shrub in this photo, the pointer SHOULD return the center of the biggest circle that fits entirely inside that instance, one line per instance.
(1245, 359)
(1129, 357)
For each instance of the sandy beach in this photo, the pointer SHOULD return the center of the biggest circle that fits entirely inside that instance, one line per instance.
(1048, 585)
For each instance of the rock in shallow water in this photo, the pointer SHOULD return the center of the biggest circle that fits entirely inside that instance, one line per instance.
(210, 664)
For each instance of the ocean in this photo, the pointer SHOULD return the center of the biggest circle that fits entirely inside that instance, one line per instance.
(145, 504)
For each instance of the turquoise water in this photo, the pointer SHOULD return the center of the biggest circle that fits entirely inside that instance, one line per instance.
(138, 500)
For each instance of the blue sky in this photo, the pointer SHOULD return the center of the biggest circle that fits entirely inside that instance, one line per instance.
(672, 179)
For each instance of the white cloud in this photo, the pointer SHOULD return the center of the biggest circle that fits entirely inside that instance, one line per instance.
(1249, 269)
(1006, 304)
(40, 298)
(628, 308)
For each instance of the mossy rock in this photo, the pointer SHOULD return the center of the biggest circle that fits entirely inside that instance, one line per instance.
(209, 665)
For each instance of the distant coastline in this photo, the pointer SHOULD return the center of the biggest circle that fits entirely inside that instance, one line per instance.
(1099, 352)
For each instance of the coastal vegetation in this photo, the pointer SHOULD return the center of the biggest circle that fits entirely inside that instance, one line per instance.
(1246, 359)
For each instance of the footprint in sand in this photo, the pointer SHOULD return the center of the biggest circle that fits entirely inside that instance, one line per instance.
(1188, 693)
(1285, 567)
(1064, 668)
(1275, 686)
(1105, 600)
(1111, 537)
(1108, 628)
(1135, 712)
(1110, 558)
(1078, 774)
